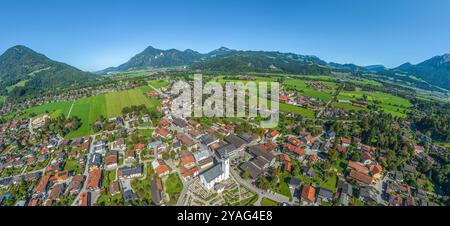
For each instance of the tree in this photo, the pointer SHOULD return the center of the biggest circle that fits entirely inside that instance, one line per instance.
(166, 156)
(246, 175)
(356, 157)
(263, 183)
(333, 155)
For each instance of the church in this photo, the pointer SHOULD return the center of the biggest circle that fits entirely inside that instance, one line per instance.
(216, 174)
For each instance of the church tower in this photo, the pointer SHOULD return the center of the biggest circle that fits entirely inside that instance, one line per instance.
(226, 168)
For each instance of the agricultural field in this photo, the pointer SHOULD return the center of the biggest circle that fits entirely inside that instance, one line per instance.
(131, 74)
(363, 81)
(88, 110)
(116, 101)
(391, 104)
(53, 108)
(296, 110)
(257, 80)
(283, 107)
(158, 83)
(349, 107)
(304, 90)
(91, 108)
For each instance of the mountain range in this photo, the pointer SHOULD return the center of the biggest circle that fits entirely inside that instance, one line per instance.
(35, 71)
(432, 72)
(223, 59)
(20, 64)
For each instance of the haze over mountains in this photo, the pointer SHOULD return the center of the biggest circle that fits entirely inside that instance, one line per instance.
(36, 71)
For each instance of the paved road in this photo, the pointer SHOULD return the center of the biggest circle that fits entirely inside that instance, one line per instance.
(85, 173)
(329, 102)
(184, 192)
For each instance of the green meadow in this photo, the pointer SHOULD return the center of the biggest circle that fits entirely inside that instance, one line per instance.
(304, 90)
(116, 101)
(296, 110)
(52, 108)
(158, 83)
(388, 103)
(91, 108)
(19, 84)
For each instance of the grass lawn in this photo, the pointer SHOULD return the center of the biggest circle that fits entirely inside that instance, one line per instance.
(268, 202)
(61, 107)
(329, 183)
(145, 132)
(91, 108)
(88, 110)
(349, 107)
(356, 202)
(304, 90)
(297, 110)
(341, 165)
(390, 104)
(131, 74)
(173, 187)
(158, 83)
(283, 187)
(116, 101)
(71, 165)
(364, 81)
(257, 80)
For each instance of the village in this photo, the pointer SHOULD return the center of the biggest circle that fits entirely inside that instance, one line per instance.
(201, 162)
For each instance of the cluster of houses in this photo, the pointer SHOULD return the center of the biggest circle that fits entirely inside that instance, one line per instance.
(186, 147)
(293, 98)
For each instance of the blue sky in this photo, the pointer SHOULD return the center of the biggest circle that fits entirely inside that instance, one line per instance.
(93, 35)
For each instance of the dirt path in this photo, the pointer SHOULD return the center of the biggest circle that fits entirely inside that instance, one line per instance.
(70, 111)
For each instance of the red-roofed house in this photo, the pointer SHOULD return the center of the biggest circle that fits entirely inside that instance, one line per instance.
(161, 168)
(345, 142)
(357, 166)
(189, 173)
(288, 167)
(375, 170)
(295, 150)
(360, 178)
(368, 148)
(273, 135)
(308, 194)
(163, 133)
(139, 147)
(187, 159)
(419, 149)
(93, 182)
(283, 99)
(296, 142)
